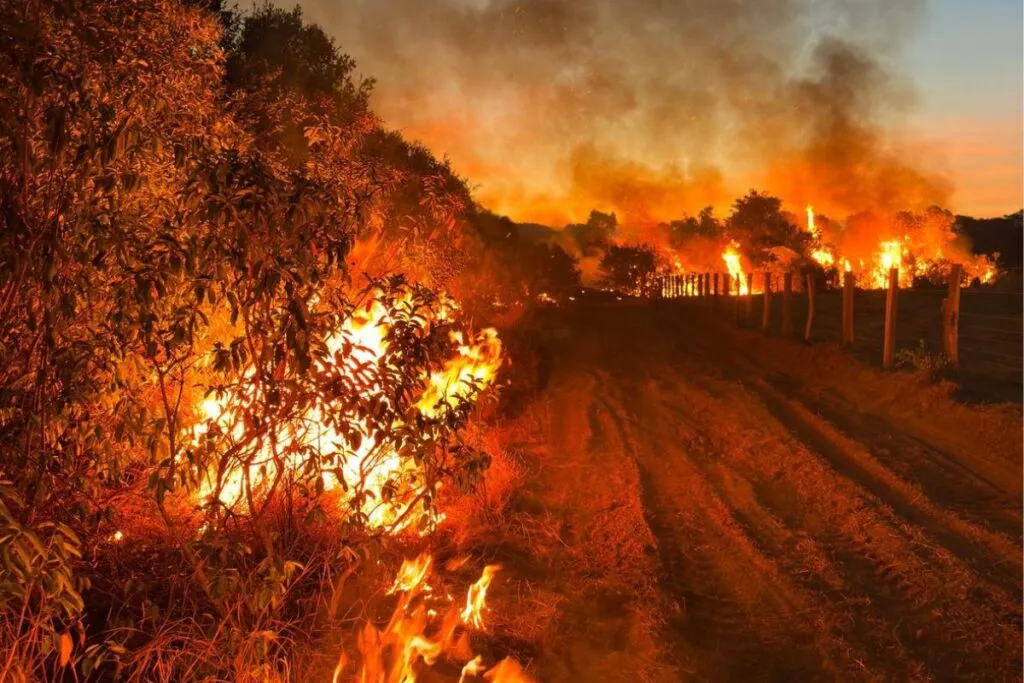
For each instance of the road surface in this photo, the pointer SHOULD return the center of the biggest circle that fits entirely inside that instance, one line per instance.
(732, 507)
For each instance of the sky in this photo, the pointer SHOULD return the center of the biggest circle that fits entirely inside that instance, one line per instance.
(657, 108)
(967, 63)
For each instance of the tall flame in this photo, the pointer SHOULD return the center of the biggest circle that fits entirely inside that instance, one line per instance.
(361, 342)
(821, 254)
(731, 256)
(472, 612)
(811, 227)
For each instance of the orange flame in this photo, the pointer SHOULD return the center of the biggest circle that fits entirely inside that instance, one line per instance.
(731, 256)
(472, 612)
(811, 228)
(411, 574)
(402, 649)
(374, 467)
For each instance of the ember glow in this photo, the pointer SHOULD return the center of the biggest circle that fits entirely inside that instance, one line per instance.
(370, 467)
(414, 639)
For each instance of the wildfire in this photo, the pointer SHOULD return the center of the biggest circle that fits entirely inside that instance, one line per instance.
(471, 613)
(822, 254)
(370, 468)
(824, 257)
(731, 256)
(889, 256)
(546, 298)
(811, 227)
(414, 639)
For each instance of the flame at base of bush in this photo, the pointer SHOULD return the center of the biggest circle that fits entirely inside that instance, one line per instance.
(415, 638)
(358, 456)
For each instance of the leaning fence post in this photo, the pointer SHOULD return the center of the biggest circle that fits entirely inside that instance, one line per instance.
(951, 317)
(847, 309)
(889, 346)
(766, 313)
(787, 304)
(810, 307)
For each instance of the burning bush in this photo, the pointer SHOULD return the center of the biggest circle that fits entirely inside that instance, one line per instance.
(188, 369)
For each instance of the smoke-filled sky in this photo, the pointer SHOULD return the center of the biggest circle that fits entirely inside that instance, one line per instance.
(655, 108)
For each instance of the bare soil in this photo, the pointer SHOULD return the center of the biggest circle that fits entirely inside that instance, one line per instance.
(710, 504)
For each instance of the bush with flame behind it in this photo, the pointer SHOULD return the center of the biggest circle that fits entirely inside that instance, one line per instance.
(374, 422)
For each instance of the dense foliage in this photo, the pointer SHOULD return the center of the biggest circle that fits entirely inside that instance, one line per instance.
(180, 222)
(629, 269)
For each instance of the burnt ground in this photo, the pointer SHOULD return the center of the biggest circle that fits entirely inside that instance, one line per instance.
(709, 504)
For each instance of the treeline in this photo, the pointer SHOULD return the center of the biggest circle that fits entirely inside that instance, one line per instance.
(761, 230)
(1001, 237)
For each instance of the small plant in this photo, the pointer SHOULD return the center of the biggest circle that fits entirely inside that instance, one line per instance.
(922, 360)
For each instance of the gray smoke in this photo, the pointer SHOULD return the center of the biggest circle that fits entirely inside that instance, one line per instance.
(646, 107)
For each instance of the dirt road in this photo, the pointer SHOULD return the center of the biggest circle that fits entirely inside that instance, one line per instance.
(763, 510)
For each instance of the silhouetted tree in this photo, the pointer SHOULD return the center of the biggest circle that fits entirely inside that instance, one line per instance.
(703, 224)
(595, 234)
(276, 46)
(629, 269)
(758, 223)
(1003, 236)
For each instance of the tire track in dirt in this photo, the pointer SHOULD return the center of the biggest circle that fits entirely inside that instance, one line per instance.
(794, 544)
(605, 565)
(930, 591)
(995, 555)
(940, 475)
(739, 618)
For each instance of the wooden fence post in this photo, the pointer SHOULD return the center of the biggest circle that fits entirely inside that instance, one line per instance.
(750, 300)
(766, 313)
(736, 300)
(951, 317)
(847, 335)
(787, 304)
(707, 289)
(889, 346)
(810, 307)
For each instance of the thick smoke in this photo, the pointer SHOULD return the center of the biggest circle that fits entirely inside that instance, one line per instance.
(650, 108)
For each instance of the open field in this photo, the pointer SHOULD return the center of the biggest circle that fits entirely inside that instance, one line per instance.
(706, 503)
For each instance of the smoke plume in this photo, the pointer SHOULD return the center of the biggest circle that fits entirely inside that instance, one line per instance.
(649, 108)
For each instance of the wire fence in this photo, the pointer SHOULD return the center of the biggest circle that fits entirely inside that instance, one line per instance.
(990, 334)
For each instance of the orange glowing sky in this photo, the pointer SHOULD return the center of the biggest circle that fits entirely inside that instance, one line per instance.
(551, 107)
